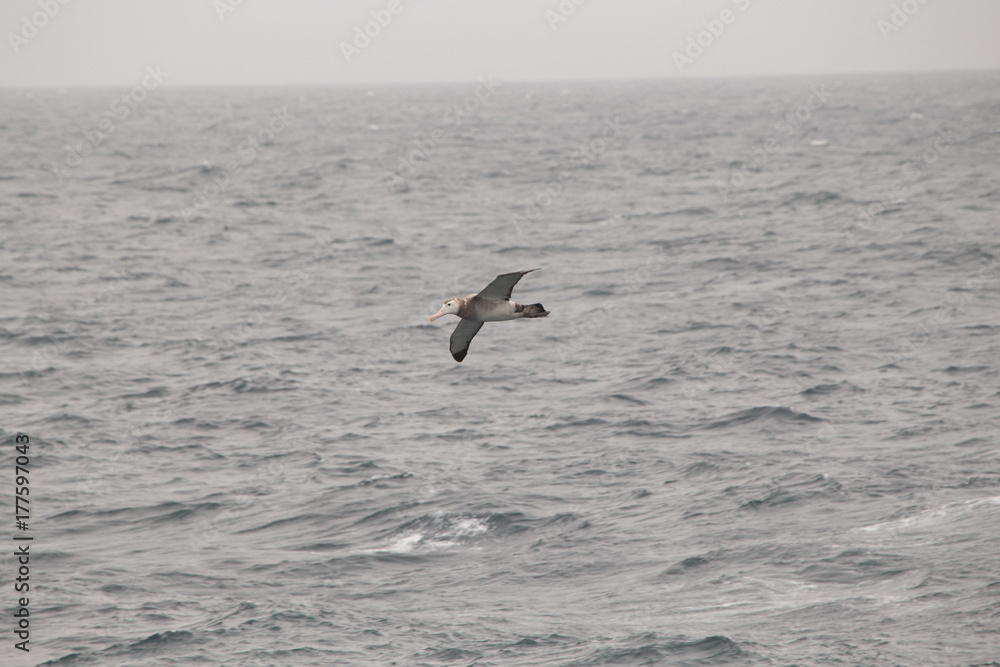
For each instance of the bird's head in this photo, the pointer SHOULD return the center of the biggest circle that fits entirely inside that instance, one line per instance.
(450, 307)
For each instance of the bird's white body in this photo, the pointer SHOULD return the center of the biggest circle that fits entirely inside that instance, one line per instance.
(493, 310)
(481, 310)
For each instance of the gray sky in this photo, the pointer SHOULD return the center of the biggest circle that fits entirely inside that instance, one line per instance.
(195, 42)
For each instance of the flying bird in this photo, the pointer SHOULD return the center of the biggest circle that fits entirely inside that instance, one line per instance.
(493, 304)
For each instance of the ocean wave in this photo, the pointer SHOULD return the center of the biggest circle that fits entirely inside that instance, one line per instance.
(651, 648)
(444, 530)
(761, 415)
(796, 489)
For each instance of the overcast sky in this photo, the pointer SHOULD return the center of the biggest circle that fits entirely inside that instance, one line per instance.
(213, 42)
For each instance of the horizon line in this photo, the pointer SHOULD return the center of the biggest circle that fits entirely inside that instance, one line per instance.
(553, 81)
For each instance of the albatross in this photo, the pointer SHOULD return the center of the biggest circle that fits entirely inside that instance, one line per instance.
(493, 304)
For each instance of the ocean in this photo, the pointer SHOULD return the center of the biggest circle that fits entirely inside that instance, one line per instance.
(761, 425)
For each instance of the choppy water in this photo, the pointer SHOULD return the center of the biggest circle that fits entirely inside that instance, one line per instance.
(757, 429)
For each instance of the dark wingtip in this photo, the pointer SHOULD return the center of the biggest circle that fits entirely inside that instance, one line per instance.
(459, 355)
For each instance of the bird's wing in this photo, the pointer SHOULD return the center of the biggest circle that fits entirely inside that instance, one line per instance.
(462, 336)
(502, 285)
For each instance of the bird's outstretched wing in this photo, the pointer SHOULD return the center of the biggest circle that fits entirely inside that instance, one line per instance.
(502, 285)
(462, 336)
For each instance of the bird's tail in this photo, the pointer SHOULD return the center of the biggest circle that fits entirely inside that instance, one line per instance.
(535, 310)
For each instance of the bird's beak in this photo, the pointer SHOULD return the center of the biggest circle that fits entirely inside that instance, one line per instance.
(438, 314)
